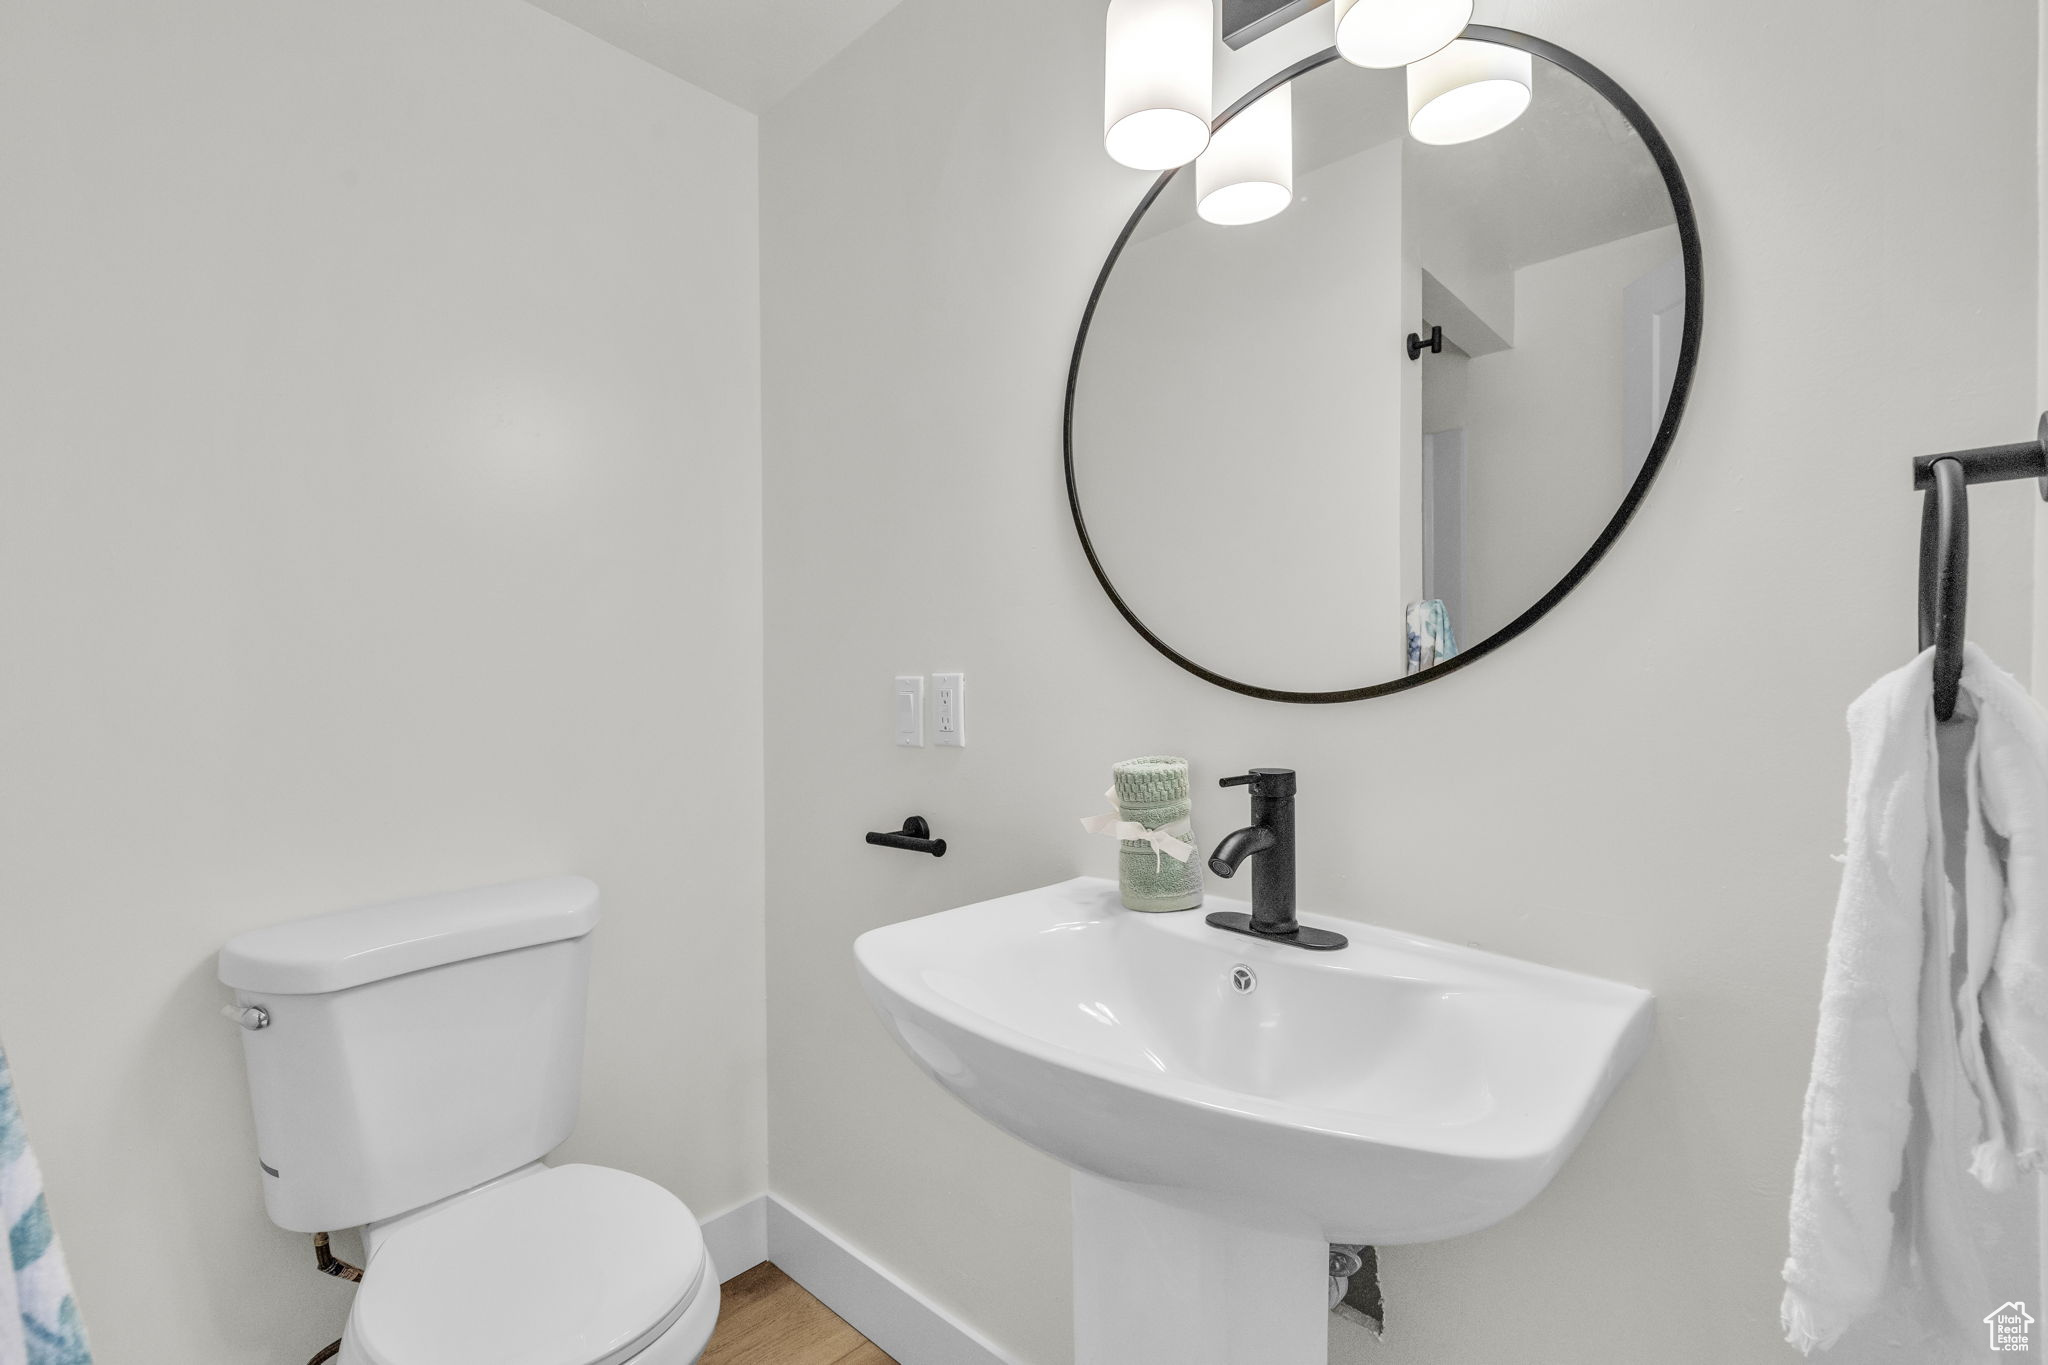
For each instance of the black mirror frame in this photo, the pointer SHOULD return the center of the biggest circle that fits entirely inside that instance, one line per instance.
(1667, 431)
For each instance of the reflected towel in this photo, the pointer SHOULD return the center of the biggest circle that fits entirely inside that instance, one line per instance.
(1430, 639)
(38, 1320)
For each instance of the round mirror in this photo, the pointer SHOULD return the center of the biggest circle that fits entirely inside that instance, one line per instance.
(1343, 449)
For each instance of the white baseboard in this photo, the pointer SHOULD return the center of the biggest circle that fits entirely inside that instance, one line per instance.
(738, 1238)
(880, 1306)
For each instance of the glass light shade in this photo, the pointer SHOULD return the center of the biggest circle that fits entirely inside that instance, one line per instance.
(1468, 90)
(1158, 82)
(1247, 175)
(1397, 32)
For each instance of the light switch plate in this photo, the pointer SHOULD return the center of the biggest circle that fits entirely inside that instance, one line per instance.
(909, 712)
(949, 710)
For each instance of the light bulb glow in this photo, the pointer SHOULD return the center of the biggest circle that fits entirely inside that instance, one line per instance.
(1384, 33)
(1468, 90)
(1158, 81)
(1247, 175)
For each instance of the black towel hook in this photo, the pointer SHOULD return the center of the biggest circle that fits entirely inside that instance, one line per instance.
(1945, 579)
(1433, 343)
(1945, 544)
(914, 837)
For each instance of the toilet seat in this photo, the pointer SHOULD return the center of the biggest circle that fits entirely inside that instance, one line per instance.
(572, 1265)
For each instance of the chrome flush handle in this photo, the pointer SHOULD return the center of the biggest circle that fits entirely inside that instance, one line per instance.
(250, 1017)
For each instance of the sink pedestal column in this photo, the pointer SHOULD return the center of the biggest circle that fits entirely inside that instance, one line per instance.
(1172, 1277)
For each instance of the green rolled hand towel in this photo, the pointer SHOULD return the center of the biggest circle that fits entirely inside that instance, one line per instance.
(1156, 864)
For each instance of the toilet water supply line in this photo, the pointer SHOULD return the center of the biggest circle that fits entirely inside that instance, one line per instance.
(330, 1264)
(1345, 1261)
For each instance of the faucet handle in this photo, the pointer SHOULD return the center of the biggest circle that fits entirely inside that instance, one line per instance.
(1264, 781)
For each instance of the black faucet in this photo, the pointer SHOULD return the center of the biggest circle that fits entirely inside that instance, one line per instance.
(1270, 839)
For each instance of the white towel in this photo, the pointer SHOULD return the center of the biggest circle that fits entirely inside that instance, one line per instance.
(1930, 1071)
(38, 1322)
(2011, 974)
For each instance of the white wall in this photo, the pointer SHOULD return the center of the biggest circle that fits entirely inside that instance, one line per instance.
(379, 513)
(1207, 344)
(1546, 464)
(2040, 509)
(1647, 787)
(2040, 617)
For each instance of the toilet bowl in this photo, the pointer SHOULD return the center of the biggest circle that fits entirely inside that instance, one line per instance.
(410, 1065)
(567, 1265)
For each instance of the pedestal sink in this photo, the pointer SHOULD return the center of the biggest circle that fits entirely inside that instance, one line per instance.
(1230, 1108)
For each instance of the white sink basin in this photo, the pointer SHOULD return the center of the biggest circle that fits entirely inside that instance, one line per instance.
(1398, 1090)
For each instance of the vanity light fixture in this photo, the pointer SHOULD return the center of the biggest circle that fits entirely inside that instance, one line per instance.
(1384, 33)
(1159, 80)
(1468, 90)
(1247, 175)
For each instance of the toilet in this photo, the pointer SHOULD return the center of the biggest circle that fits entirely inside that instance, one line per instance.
(410, 1065)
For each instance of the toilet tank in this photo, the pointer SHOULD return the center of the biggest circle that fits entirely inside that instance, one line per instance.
(412, 1050)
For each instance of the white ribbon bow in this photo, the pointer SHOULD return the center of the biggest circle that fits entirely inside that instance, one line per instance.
(1165, 840)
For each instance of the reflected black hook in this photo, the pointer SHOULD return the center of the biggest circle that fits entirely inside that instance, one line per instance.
(915, 837)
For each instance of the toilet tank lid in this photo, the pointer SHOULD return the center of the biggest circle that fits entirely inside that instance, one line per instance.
(354, 947)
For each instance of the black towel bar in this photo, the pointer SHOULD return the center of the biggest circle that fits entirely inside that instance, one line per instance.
(1945, 544)
(915, 836)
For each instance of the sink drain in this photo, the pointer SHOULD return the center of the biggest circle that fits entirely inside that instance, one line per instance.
(1243, 980)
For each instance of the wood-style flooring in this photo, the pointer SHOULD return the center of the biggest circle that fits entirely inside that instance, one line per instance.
(766, 1318)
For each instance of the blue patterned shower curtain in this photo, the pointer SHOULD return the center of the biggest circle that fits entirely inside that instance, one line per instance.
(38, 1320)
